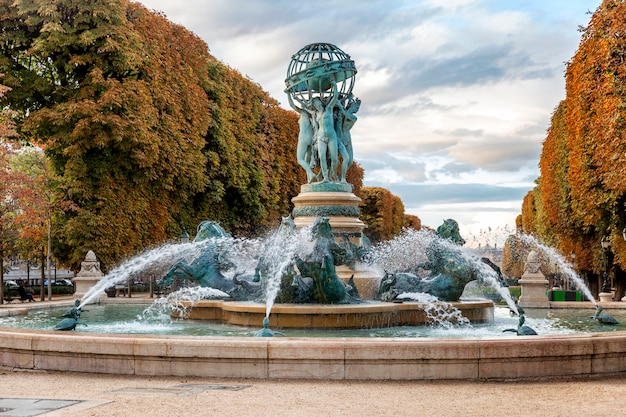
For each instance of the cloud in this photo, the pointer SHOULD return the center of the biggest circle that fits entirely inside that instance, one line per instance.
(457, 94)
(418, 195)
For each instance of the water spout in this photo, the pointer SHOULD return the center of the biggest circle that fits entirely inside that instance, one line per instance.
(561, 262)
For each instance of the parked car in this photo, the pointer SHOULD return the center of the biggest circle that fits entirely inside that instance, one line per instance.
(10, 284)
(59, 282)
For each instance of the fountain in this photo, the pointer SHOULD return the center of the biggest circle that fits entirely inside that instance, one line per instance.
(313, 271)
(317, 271)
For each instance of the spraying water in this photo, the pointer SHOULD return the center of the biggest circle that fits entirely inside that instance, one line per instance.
(439, 313)
(278, 255)
(561, 263)
(410, 248)
(158, 259)
(271, 258)
(163, 307)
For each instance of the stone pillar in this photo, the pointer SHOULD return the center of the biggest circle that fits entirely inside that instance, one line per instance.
(332, 200)
(534, 284)
(337, 202)
(88, 276)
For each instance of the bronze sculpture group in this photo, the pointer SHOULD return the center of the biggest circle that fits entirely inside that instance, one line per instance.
(325, 125)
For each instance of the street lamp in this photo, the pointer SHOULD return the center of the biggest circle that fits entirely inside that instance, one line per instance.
(606, 244)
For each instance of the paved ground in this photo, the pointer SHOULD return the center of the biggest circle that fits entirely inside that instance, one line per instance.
(29, 393)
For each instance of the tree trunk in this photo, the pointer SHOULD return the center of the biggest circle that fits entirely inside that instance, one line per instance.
(48, 256)
(43, 279)
(1, 275)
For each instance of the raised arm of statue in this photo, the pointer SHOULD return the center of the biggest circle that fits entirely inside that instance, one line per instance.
(349, 110)
(293, 106)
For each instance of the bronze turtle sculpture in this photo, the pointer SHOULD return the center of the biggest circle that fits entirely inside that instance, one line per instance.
(604, 318)
(521, 329)
(266, 331)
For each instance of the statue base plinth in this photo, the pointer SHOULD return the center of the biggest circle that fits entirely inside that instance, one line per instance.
(534, 287)
(336, 202)
(340, 207)
(323, 187)
(84, 284)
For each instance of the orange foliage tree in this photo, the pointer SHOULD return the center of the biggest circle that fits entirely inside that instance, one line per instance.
(382, 212)
(583, 162)
(8, 183)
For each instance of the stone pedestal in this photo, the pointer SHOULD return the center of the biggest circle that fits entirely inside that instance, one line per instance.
(534, 284)
(605, 297)
(88, 276)
(341, 207)
(335, 201)
(366, 281)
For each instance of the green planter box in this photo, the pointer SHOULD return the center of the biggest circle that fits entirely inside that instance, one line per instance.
(562, 295)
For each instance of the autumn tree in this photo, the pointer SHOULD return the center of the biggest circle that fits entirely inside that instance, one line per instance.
(514, 254)
(40, 203)
(122, 115)
(583, 160)
(8, 182)
(382, 212)
(412, 222)
(147, 133)
(354, 176)
(8, 207)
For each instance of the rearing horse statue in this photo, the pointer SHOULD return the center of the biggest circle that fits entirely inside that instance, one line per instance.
(206, 269)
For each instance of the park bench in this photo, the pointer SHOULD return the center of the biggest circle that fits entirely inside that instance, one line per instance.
(121, 289)
(10, 299)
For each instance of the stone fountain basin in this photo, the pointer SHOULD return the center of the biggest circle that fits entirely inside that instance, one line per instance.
(315, 316)
(556, 356)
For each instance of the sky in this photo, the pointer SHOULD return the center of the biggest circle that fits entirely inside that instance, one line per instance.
(456, 95)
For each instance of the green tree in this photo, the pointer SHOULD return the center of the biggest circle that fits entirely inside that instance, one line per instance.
(123, 116)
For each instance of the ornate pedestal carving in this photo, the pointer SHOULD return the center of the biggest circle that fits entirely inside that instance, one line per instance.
(534, 284)
(88, 276)
(341, 208)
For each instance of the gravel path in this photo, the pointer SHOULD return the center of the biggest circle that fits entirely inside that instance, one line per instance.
(111, 396)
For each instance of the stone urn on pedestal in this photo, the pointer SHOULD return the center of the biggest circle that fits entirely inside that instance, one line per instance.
(534, 284)
(88, 276)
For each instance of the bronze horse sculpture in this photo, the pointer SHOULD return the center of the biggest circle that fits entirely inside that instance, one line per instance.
(205, 269)
(448, 269)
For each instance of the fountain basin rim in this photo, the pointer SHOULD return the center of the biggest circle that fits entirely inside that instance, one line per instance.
(328, 308)
(520, 358)
(6, 331)
(318, 316)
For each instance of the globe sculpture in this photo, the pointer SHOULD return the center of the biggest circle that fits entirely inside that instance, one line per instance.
(319, 83)
(311, 70)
